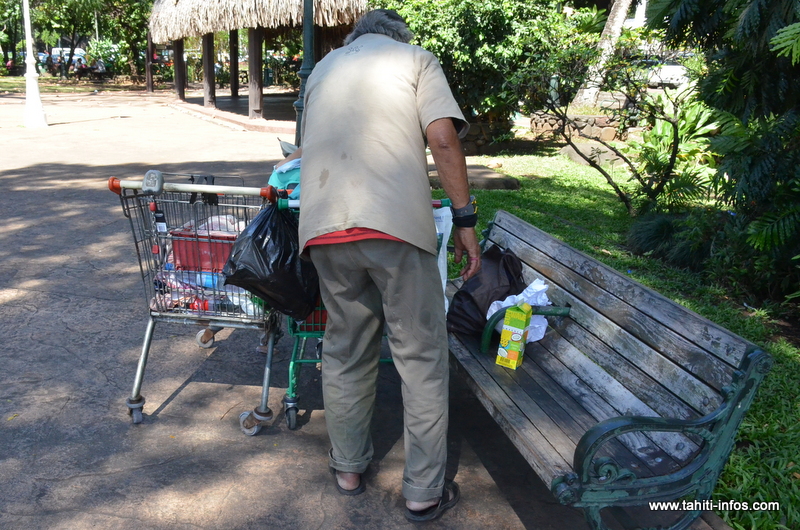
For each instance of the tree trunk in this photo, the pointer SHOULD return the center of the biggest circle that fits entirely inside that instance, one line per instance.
(255, 45)
(179, 65)
(148, 64)
(234, 59)
(587, 95)
(209, 80)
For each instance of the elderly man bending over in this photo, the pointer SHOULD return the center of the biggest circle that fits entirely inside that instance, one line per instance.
(367, 224)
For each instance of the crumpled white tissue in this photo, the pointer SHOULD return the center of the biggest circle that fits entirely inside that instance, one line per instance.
(535, 295)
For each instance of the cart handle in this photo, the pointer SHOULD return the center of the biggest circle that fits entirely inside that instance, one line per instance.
(270, 193)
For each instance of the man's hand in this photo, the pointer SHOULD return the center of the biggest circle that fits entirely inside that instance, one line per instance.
(466, 242)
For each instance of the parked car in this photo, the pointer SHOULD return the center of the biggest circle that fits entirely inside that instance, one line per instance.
(79, 53)
(668, 73)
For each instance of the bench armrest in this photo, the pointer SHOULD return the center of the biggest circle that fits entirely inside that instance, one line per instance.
(611, 428)
(718, 429)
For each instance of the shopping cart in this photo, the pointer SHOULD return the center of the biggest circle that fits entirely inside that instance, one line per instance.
(183, 233)
(313, 327)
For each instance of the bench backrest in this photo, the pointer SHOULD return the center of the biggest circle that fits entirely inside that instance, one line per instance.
(638, 352)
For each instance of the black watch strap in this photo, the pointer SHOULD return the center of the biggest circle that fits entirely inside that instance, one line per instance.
(465, 221)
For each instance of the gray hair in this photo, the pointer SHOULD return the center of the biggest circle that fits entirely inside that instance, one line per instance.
(383, 21)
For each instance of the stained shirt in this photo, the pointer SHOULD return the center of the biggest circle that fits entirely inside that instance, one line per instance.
(367, 106)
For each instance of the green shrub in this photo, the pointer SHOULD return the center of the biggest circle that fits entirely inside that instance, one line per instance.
(479, 44)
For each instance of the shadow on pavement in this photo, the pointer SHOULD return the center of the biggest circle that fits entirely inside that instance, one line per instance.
(74, 314)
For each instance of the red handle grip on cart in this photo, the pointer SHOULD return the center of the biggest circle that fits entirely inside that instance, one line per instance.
(270, 193)
(113, 185)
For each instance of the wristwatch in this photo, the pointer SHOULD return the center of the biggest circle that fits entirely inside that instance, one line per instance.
(467, 216)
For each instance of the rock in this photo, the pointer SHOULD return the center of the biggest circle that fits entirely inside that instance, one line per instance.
(593, 149)
(607, 134)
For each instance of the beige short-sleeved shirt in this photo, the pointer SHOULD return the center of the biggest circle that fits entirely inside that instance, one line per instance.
(367, 106)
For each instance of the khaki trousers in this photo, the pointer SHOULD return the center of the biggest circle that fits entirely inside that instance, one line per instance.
(365, 284)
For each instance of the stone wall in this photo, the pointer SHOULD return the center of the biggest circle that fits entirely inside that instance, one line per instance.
(544, 125)
(479, 137)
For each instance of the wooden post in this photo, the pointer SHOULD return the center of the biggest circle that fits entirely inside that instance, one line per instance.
(234, 69)
(209, 83)
(179, 65)
(255, 41)
(308, 63)
(148, 63)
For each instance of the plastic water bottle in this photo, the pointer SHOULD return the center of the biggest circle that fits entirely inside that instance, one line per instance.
(159, 217)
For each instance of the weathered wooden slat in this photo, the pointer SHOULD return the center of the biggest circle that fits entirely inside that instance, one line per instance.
(659, 463)
(574, 420)
(532, 445)
(688, 388)
(620, 315)
(644, 386)
(605, 397)
(558, 420)
(721, 342)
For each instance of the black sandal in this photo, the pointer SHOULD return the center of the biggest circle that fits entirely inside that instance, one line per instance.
(358, 491)
(450, 496)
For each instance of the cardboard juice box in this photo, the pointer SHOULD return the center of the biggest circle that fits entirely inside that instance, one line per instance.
(514, 335)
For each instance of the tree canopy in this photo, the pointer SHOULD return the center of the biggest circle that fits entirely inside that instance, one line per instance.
(752, 49)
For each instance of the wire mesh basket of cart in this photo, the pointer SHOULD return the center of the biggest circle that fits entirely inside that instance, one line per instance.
(183, 232)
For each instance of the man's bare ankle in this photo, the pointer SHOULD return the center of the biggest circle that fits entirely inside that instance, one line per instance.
(421, 505)
(347, 480)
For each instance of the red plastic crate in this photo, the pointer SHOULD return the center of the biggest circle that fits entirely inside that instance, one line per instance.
(315, 322)
(205, 252)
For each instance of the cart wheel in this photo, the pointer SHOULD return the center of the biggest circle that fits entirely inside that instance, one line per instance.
(136, 416)
(249, 425)
(203, 339)
(291, 418)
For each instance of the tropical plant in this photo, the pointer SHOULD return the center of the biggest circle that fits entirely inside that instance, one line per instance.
(479, 44)
(11, 32)
(669, 168)
(674, 163)
(752, 51)
(71, 19)
(126, 23)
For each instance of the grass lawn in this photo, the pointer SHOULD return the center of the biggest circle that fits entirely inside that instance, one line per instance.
(575, 204)
(54, 85)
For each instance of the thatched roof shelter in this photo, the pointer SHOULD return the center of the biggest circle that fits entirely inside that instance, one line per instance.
(176, 19)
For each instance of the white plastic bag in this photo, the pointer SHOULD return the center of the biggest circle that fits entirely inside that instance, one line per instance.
(535, 295)
(443, 217)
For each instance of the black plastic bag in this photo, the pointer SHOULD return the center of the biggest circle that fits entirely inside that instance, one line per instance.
(500, 277)
(265, 260)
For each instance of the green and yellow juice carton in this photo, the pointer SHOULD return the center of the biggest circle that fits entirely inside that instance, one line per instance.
(514, 336)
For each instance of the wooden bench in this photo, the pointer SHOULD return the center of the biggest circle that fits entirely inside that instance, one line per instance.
(630, 399)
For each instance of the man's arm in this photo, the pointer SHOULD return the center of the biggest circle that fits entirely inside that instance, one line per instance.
(452, 168)
(297, 154)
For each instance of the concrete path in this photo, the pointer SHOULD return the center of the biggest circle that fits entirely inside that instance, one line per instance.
(73, 314)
